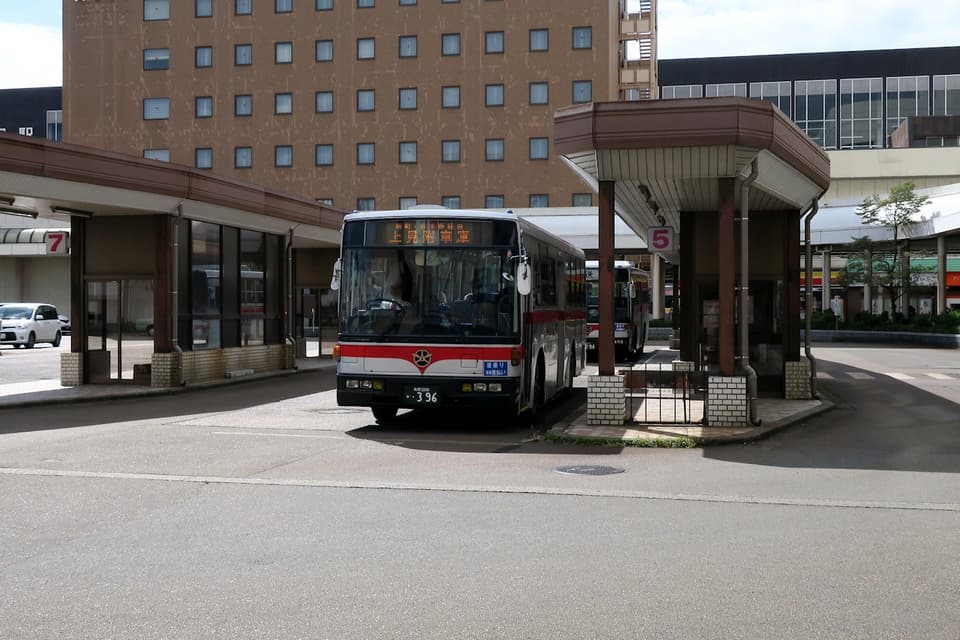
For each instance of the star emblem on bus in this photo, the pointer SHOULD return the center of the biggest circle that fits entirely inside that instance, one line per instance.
(422, 359)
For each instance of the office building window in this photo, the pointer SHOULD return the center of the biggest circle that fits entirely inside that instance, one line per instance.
(539, 93)
(582, 200)
(776, 92)
(324, 102)
(815, 110)
(946, 95)
(582, 37)
(282, 6)
(203, 57)
(55, 125)
(163, 155)
(242, 54)
(861, 113)
(156, 108)
(450, 151)
(493, 42)
(366, 153)
(450, 97)
(283, 52)
(366, 100)
(203, 158)
(539, 147)
(493, 95)
(324, 5)
(405, 3)
(450, 202)
(203, 106)
(493, 202)
(243, 105)
(283, 155)
(906, 96)
(494, 150)
(366, 4)
(366, 48)
(408, 98)
(156, 59)
(243, 157)
(283, 103)
(324, 50)
(681, 91)
(366, 204)
(449, 1)
(539, 39)
(407, 202)
(582, 91)
(324, 155)
(408, 152)
(156, 9)
(727, 90)
(408, 46)
(253, 300)
(538, 200)
(203, 8)
(242, 7)
(450, 44)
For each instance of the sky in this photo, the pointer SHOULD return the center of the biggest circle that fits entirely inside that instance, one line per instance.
(30, 38)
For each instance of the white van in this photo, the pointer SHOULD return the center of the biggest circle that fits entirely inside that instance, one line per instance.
(23, 324)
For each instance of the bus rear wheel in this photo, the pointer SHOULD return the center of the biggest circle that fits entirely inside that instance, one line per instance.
(384, 414)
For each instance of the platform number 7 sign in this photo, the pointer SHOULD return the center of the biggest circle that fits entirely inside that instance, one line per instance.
(660, 239)
(58, 242)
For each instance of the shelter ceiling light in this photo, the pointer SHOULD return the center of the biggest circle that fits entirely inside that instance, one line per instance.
(79, 213)
(26, 213)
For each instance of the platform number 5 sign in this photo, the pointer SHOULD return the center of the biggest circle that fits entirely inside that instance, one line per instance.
(57, 242)
(660, 239)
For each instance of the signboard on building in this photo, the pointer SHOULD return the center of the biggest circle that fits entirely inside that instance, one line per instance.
(58, 242)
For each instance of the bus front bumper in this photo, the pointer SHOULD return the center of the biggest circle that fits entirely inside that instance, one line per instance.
(427, 393)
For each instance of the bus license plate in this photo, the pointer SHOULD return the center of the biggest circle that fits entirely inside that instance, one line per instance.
(421, 395)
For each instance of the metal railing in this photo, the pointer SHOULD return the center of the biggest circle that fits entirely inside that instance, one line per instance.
(666, 393)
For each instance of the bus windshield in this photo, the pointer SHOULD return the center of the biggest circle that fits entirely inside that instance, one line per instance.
(391, 293)
(621, 297)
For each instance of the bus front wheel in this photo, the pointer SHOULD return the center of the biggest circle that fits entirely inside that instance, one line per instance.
(384, 414)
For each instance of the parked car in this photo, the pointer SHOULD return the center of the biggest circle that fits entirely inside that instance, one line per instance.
(64, 324)
(23, 324)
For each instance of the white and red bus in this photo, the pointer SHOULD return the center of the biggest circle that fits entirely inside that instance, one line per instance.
(444, 308)
(631, 308)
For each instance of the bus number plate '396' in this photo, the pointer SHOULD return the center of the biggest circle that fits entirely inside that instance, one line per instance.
(421, 395)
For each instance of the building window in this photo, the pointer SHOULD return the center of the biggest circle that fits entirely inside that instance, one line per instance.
(727, 90)
(408, 98)
(450, 97)
(203, 57)
(203, 8)
(494, 150)
(582, 200)
(243, 54)
(408, 46)
(681, 91)
(407, 202)
(539, 93)
(324, 5)
(203, 158)
(324, 50)
(493, 42)
(449, 1)
(450, 151)
(366, 204)
(324, 102)
(243, 105)
(163, 155)
(582, 37)
(366, 4)
(493, 95)
(946, 95)
(450, 202)
(55, 125)
(404, 3)
(324, 155)
(539, 39)
(283, 6)
(776, 92)
(539, 147)
(156, 9)
(906, 96)
(815, 110)
(253, 300)
(283, 155)
(366, 48)
(243, 157)
(450, 44)
(205, 303)
(538, 200)
(243, 7)
(366, 100)
(582, 91)
(283, 52)
(203, 107)
(156, 59)
(283, 103)
(156, 108)
(408, 152)
(861, 113)
(493, 202)
(366, 153)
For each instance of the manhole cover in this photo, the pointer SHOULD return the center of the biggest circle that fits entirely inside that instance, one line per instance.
(588, 470)
(337, 411)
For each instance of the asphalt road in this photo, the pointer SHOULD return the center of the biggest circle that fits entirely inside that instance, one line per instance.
(262, 510)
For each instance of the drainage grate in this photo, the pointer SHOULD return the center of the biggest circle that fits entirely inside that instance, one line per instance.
(588, 470)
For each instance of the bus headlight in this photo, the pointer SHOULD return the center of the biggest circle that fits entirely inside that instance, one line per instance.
(352, 384)
(479, 386)
(495, 387)
(366, 384)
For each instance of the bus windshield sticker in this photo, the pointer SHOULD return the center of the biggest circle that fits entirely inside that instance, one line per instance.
(495, 368)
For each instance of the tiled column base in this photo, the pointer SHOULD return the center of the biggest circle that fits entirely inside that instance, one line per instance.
(726, 401)
(71, 369)
(288, 357)
(606, 400)
(797, 379)
(164, 371)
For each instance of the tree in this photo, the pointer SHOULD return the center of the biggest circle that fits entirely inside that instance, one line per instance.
(897, 211)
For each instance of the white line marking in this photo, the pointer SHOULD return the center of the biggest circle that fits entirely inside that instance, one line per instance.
(939, 376)
(857, 375)
(823, 375)
(899, 376)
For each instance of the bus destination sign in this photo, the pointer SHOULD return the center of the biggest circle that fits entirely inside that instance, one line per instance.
(424, 232)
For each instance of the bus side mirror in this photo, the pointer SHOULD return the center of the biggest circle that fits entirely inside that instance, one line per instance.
(633, 291)
(337, 272)
(523, 279)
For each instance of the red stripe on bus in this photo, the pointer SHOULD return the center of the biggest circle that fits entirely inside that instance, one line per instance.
(437, 353)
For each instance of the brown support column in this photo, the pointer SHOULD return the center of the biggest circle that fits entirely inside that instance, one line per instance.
(726, 262)
(163, 286)
(791, 269)
(78, 290)
(689, 320)
(606, 246)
